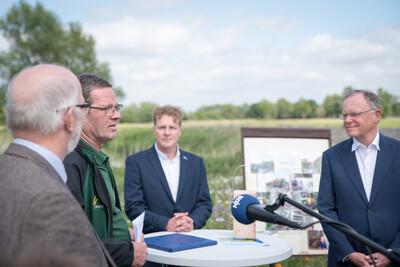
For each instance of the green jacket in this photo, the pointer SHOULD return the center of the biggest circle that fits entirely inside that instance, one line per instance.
(89, 188)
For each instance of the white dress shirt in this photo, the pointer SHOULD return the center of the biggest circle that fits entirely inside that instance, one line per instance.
(171, 170)
(366, 160)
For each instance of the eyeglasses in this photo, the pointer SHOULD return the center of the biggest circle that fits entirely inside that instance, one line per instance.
(344, 116)
(84, 107)
(109, 111)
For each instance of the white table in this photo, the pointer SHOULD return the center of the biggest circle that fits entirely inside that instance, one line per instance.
(221, 255)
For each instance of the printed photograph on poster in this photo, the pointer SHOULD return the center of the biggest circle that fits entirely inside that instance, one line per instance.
(289, 165)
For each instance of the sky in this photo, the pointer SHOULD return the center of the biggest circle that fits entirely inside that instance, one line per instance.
(193, 53)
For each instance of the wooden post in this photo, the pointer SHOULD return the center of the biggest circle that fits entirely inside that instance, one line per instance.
(246, 231)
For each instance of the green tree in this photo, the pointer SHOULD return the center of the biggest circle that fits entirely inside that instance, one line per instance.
(213, 112)
(261, 110)
(242, 111)
(304, 109)
(146, 111)
(130, 114)
(267, 108)
(320, 111)
(388, 101)
(333, 105)
(36, 35)
(229, 111)
(396, 109)
(283, 109)
(255, 111)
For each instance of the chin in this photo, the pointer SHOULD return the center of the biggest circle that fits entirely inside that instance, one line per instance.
(109, 138)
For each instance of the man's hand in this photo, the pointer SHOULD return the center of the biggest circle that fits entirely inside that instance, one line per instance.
(358, 259)
(139, 254)
(181, 222)
(380, 259)
(132, 233)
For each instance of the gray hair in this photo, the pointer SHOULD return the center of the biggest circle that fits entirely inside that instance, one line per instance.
(89, 82)
(39, 113)
(371, 98)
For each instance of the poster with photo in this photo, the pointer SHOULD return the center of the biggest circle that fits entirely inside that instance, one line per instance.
(287, 161)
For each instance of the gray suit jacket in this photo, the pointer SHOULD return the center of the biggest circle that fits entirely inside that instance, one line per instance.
(38, 211)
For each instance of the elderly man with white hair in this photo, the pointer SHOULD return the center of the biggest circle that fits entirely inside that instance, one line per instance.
(44, 110)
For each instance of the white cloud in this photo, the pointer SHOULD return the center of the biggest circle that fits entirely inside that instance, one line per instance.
(193, 63)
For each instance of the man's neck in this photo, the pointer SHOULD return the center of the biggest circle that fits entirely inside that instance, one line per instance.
(368, 139)
(170, 153)
(91, 142)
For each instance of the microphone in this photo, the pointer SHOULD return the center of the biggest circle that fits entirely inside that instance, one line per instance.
(247, 209)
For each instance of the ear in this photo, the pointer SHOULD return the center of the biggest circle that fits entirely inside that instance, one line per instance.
(70, 120)
(378, 115)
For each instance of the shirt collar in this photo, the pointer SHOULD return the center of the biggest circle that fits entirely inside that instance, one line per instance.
(375, 143)
(49, 156)
(100, 156)
(163, 156)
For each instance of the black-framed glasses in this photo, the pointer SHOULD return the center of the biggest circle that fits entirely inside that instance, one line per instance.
(344, 116)
(109, 111)
(84, 107)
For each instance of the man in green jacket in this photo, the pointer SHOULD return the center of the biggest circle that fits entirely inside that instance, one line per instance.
(91, 179)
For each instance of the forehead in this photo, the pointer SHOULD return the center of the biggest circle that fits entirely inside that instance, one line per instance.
(355, 102)
(166, 119)
(103, 96)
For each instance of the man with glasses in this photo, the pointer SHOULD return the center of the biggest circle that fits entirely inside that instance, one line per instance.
(360, 183)
(91, 179)
(45, 111)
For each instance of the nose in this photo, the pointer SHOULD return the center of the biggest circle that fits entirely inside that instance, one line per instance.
(348, 118)
(116, 115)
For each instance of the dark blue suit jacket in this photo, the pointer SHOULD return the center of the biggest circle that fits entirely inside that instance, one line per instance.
(146, 189)
(342, 197)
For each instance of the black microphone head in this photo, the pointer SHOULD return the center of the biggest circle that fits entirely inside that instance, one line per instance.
(239, 207)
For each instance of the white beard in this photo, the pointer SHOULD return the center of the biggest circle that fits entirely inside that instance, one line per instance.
(74, 139)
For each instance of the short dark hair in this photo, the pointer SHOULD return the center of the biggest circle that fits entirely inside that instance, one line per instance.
(89, 82)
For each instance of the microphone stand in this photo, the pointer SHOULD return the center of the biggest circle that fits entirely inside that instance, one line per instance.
(347, 230)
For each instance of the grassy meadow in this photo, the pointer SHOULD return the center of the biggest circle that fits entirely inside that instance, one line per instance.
(219, 144)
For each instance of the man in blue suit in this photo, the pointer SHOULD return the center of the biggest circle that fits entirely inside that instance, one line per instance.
(360, 184)
(169, 184)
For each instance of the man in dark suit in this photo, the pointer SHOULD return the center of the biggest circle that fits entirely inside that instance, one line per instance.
(360, 183)
(169, 184)
(45, 110)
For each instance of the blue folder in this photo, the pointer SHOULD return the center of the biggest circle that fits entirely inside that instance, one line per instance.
(177, 242)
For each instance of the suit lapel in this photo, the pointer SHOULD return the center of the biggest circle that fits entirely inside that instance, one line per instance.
(156, 164)
(182, 173)
(350, 164)
(383, 161)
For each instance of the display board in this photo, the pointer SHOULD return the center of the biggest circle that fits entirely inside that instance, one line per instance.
(284, 160)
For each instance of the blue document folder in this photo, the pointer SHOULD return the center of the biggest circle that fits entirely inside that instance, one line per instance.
(177, 242)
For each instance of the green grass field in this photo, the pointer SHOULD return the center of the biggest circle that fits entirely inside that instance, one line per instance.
(219, 144)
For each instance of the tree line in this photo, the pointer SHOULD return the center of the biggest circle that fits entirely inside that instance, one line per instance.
(36, 35)
(264, 109)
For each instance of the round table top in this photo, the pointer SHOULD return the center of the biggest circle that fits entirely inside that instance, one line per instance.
(276, 250)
